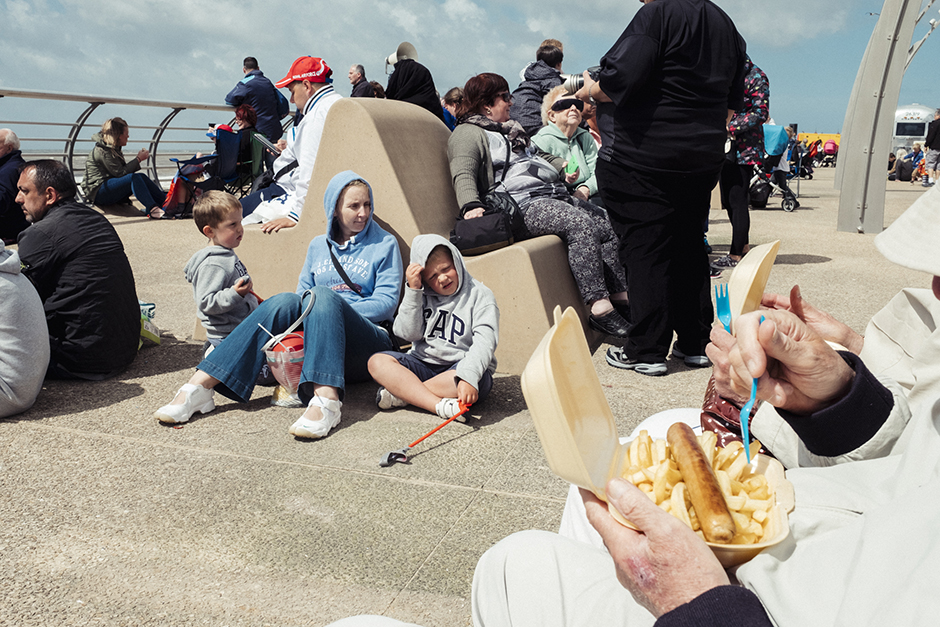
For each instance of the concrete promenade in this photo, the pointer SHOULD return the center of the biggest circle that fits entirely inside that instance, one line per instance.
(109, 518)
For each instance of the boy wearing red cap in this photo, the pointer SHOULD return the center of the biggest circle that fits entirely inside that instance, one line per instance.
(280, 205)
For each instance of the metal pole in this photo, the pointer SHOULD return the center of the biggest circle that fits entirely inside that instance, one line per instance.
(73, 136)
(869, 119)
(155, 143)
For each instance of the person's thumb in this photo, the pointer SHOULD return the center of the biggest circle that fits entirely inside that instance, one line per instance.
(636, 507)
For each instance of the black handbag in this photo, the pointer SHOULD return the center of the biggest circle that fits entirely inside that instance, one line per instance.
(498, 227)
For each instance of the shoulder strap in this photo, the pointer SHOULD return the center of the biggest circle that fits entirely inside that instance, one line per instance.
(502, 177)
(277, 338)
(287, 168)
(342, 273)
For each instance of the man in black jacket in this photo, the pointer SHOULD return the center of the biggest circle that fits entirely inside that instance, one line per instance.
(11, 217)
(361, 87)
(932, 164)
(76, 260)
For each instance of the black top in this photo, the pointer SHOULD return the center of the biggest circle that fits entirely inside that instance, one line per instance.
(12, 220)
(76, 260)
(412, 83)
(362, 89)
(672, 76)
(724, 606)
(933, 137)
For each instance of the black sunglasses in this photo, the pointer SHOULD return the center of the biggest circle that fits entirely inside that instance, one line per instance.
(565, 103)
(505, 96)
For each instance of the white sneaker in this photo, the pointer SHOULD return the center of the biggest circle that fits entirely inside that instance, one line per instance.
(448, 407)
(197, 398)
(306, 428)
(386, 400)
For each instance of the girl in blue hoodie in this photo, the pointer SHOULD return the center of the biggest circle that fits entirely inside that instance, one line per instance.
(341, 332)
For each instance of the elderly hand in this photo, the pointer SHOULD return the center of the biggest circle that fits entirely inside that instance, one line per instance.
(824, 324)
(583, 192)
(664, 564)
(570, 178)
(795, 368)
(276, 225)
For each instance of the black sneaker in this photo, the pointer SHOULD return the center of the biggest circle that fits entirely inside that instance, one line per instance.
(611, 323)
(617, 358)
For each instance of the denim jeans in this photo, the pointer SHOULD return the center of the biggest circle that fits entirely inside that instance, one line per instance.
(118, 189)
(338, 342)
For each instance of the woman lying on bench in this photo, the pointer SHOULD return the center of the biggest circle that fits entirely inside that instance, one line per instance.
(341, 331)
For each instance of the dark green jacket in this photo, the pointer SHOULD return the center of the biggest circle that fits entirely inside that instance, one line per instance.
(104, 162)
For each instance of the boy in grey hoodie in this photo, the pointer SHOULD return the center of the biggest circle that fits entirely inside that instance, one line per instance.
(221, 285)
(452, 322)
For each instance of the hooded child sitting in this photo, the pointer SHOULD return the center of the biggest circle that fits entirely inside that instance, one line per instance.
(452, 322)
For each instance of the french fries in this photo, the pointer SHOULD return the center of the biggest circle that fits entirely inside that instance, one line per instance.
(651, 467)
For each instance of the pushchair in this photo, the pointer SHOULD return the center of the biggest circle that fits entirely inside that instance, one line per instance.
(801, 163)
(830, 153)
(766, 181)
(221, 170)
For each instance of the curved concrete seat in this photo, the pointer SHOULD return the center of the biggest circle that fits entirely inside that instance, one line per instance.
(401, 150)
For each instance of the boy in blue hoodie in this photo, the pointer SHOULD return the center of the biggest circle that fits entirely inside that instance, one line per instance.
(452, 322)
(221, 285)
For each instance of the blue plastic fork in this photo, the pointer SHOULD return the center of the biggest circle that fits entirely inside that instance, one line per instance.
(746, 414)
(723, 305)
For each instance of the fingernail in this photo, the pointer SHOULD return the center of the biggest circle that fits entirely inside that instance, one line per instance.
(615, 488)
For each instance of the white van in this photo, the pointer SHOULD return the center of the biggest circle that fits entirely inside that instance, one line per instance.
(910, 126)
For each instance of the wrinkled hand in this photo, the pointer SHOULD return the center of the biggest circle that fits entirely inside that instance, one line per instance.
(664, 565)
(466, 393)
(142, 155)
(476, 212)
(795, 368)
(582, 192)
(718, 353)
(242, 287)
(413, 275)
(824, 324)
(276, 225)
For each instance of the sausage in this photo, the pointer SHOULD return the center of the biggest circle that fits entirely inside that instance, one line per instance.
(702, 485)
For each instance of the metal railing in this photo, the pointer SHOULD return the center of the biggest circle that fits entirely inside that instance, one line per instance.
(70, 134)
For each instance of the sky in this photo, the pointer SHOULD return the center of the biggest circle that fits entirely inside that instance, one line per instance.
(178, 50)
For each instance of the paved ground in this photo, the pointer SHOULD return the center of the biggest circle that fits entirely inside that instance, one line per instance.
(109, 518)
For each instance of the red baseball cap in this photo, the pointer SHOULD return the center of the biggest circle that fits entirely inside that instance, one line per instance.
(313, 69)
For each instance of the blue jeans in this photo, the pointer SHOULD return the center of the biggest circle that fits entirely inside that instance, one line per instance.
(338, 342)
(116, 190)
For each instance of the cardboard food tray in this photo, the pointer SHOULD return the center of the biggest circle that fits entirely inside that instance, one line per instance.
(749, 278)
(579, 435)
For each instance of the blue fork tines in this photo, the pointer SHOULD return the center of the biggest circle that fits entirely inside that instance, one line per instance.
(723, 306)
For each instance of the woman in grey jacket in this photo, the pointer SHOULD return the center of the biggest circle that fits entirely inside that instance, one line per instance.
(478, 150)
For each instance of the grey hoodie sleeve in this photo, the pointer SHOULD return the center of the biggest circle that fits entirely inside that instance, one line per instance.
(409, 323)
(479, 357)
(212, 295)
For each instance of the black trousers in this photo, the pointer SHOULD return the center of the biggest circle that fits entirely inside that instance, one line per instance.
(735, 182)
(658, 218)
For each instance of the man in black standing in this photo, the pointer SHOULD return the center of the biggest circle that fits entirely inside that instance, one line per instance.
(360, 86)
(269, 104)
(664, 95)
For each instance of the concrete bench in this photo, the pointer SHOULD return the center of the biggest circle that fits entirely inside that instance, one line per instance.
(401, 150)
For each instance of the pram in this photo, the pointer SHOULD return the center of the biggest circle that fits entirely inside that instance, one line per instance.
(765, 181)
(801, 163)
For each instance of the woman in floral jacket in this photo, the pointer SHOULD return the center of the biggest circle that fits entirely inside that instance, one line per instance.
(746, 131)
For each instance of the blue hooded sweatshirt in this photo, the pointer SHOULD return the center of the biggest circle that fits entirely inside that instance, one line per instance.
(370, 258)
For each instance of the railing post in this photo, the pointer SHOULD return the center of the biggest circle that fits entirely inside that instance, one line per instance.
(155, 143)
(73, 135)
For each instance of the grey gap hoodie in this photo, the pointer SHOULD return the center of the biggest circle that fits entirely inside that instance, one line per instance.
(213, 271)
(462, 327)
(24, 338)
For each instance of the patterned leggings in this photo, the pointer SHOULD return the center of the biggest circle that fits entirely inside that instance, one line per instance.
(592, 244)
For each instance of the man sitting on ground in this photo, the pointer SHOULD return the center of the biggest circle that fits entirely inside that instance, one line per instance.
(76, 261)
(279, 205)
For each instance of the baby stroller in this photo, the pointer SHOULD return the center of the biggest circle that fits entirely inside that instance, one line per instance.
(830, 152)
(768, 181)
(801, 164)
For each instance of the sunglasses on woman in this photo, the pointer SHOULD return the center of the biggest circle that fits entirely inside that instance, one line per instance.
(505, 96)
(565, 103)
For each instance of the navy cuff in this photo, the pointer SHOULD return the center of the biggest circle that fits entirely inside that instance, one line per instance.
(851, 421)
(724, 606)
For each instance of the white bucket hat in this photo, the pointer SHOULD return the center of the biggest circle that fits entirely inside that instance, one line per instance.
(913, 240)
